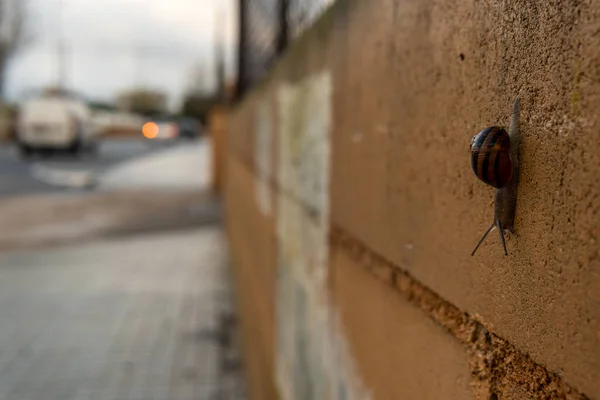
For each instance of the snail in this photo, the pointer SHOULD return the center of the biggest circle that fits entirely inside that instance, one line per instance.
(495, 161)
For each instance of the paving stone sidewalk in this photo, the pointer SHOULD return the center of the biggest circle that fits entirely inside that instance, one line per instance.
(146, 317)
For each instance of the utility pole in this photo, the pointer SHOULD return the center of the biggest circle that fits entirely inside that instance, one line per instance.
(61, 49)
(61, 80)
(219, 56)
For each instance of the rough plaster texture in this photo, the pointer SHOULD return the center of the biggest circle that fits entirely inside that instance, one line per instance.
(514, 392)
(399, 351)
(413, 81)
(250, 234)
(407, 108)
(495, 363)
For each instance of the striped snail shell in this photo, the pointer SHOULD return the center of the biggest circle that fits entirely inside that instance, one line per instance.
(490, 156)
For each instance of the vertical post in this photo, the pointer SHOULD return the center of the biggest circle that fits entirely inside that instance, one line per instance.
(242, 78)
(283, 22)
(61, 65)
(219, 55)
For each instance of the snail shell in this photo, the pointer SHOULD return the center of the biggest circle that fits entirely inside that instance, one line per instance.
(495, 160)
(490, 156)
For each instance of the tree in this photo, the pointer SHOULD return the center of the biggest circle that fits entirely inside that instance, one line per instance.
(101, 105)
(143, 101)
(13, 34)
(198, 105)
(198, 98)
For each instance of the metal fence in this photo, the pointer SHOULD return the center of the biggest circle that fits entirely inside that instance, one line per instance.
(266, 28)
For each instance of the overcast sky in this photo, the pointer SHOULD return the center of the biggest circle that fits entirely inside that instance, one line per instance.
(116, 44)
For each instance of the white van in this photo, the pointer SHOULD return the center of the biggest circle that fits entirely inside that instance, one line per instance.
(55, 122)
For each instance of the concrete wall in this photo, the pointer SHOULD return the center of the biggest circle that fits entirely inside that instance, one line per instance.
(391, 95)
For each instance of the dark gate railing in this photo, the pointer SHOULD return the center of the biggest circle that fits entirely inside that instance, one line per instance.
(266, 27)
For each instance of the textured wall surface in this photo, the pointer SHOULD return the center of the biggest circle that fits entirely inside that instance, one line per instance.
(254, 276)
(412, 82)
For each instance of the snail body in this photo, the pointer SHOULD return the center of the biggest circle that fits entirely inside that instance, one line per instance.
(495, 161)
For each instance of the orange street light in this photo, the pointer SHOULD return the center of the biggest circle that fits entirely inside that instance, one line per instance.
(150, 130)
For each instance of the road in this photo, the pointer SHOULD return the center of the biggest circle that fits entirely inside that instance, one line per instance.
(16, 177)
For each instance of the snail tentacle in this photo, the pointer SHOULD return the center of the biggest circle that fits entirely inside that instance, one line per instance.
(501, 232)
(491, 228)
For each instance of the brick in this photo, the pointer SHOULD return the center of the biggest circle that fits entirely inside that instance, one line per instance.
(399, 352)
(253, 241)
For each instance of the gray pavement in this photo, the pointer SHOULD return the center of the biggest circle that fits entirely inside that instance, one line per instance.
(142, 317)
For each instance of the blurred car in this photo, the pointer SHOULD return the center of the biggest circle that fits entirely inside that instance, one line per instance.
(160, 129)
(55, 122)
(189, 128)
(171, 129)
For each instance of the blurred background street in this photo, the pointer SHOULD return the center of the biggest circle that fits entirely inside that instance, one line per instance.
(114, 277)
(120, 289)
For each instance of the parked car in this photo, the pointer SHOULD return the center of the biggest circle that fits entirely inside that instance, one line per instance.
(55, 122)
